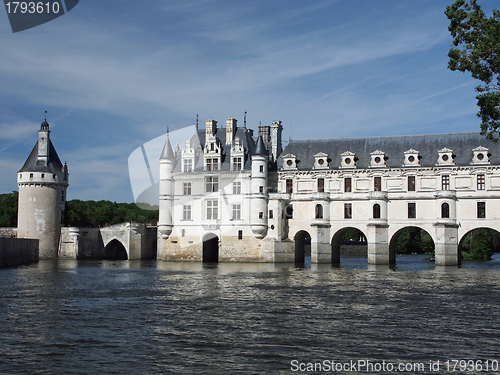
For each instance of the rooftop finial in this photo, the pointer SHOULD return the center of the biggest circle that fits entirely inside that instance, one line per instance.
(168, 130)
(44, 125)
(196, 121)
(45, 117)
(245, 120)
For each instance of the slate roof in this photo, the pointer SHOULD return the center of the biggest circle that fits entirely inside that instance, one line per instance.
(53, 166)
(394, 147)
(167, 152)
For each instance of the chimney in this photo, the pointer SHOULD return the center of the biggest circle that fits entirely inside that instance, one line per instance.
(230, 130)
(211, 129)
(265, 133)
(276, 149)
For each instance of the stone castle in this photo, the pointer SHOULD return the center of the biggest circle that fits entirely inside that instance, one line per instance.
(230, 195)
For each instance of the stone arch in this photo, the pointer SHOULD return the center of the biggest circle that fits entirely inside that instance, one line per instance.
(302, 240)
(394, 241)
(210, 248)
(115, 250)
(489, 240)
(337, 240)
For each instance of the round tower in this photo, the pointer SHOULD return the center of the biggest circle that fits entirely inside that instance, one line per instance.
(258, 216)
(166, 188)
(42, 183)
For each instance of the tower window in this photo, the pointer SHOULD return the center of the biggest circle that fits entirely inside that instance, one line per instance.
(348, 211)
(376, 211)
(412, 210)
(481, 210)
(261, 215)
(481, 182)
(377, 184)
(289, 186)
(321, 185)
(411, 183)
(43, 175)
(271, 214)
(31, 175)
(445, 182)
(319, 211)
(261, 189)
(261, 168)
(347, 184)
(445, 210)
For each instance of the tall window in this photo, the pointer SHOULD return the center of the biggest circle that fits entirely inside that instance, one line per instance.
(271, 214)
(186, 212)
(480, 182)
(319, 211)
(237, 187)
(481, 210)
(188, 165)
(289, 212)
(212, 209)
(211, 184)
(213, 164)
(289, 186)
(240, 234)
(377, 184)
(348, 211)
(187, 188)
(347, 184)
(445, 182)
(376, 211)
(321, 185)
(261, 168)
(445, 210)
(412, 210)
(236, 211)
(237, 164)
(411, 183)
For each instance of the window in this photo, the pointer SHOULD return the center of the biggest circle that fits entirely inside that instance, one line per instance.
(376, 211)
(480, 182)
(347, 184)
(62, 195)
(211, 184)
(318, 212)
(261, 189)
(212, 209)
(183, 232)
(411, 183)
(261, 169)
(188, 165)
(271, 214)
(187, 188)
(43, 175)
(261, 215)
(481, 210)
(377, 184)
(186, 212)
(289, 212)
(237, 187)
(445, 210)
(236, 211)
(445, 182)
(237, 164)
(212, 164)
(412, 210)
(321, 185)
(54, 176)
(348, 211)
(240, 234)
(289, 186)
(31, 175)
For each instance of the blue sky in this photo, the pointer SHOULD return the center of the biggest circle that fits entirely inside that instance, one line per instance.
(114, 74)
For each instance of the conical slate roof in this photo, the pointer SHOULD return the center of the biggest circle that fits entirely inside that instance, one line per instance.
(54, 164)
(260, 148)
(167, 153)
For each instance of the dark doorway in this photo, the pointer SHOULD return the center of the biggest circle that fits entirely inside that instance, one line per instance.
(210, 248)
(115, 251)
(302, 247)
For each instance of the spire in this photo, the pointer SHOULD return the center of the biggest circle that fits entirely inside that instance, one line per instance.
(167, 153)
(260, 148)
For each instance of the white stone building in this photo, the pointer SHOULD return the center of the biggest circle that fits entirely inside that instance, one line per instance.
(237, 197)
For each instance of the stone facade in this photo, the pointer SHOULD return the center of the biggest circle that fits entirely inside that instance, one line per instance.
(243, 199)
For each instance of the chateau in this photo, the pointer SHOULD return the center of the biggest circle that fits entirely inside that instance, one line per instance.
(230, 195)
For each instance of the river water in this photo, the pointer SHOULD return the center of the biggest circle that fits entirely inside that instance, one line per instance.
(149, 317)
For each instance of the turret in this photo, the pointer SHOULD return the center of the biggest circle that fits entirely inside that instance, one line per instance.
(166, 187)
(258, 218)
(42, 183)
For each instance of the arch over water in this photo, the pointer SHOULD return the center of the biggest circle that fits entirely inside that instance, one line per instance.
(115, 250)
(479, 243)
(410, 239)
(302, 246)
(355, 235)
(210, 248)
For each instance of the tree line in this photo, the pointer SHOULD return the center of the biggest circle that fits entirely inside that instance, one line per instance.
(80, 213)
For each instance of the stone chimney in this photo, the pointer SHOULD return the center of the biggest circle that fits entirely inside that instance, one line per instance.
(211, 129)
(276, 147)
(230, 130)
(265, 133)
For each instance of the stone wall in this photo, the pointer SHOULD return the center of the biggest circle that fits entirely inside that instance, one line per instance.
(8, 232)
(353, 248)
(17, 251)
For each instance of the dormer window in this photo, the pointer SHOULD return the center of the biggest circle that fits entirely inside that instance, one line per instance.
(377, 159)
(348, 160)
(321, 161)
(412, 158)
(480, 156)
(289, 162)
(445, 157)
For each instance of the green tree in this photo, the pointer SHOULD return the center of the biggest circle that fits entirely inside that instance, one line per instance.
(479, 244)
(8, 209)
(476, 49)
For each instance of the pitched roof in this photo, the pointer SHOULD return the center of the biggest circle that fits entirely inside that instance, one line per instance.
(394, 147)
(54, 164)
(167, 152)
